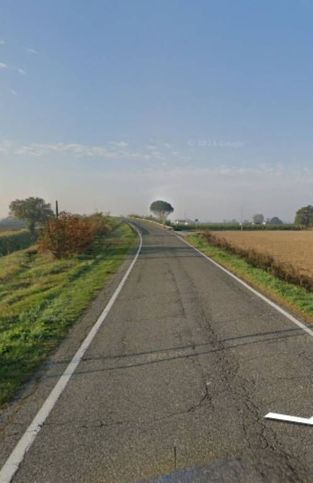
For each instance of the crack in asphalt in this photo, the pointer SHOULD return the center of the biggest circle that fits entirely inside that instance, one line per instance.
(218, 377)
(242, 393)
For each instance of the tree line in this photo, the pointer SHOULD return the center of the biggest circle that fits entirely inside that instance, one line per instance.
(304, 216)
(36, 212)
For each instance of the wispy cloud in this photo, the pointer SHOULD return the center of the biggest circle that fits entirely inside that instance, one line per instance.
(263, 187)
(5, 147)
(117, 150)
(213, 143)
(150, 154)
(21, 71)
(13, 92)
(113, 150)
(79, 150)
(120, 144)
(31, 51)
(2, 42)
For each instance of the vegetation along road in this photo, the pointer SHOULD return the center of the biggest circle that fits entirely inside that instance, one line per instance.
(176, 381)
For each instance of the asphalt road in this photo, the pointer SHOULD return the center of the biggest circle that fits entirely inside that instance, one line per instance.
(177, 381)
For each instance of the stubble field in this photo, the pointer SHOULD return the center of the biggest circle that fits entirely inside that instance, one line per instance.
(286, 254)
(286, 247)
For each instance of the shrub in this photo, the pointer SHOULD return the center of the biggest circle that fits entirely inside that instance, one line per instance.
(70, 234)
(100, 225)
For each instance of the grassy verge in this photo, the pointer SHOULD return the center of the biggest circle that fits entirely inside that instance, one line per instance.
(40, 298)
(296, 298)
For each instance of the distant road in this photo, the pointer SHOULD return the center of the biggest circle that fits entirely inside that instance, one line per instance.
(179, 377)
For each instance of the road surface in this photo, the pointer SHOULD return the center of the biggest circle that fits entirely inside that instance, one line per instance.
(176, 382)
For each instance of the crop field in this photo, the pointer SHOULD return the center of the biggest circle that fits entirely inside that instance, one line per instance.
(285, 278)
(287, 255)
(286, 247)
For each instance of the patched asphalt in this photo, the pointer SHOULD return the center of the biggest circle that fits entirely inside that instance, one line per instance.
(175, 385)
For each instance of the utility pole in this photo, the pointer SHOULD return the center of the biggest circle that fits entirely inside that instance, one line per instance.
(57, 209)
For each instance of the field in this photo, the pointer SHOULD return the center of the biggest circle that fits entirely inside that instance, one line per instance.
(40, 297)
(287, 248)
(273, 263)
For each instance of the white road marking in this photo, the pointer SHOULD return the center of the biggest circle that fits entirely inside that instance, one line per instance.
(289, 419)
(255, 292)
(12, 464)
(281, 417)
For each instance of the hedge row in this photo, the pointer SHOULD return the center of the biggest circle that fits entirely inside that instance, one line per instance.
(12, 241)
(232, 227)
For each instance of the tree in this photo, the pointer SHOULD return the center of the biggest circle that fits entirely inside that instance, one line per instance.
(161, 209)
(276, 221)
(258, 219)
(34, 211)
(304, 216)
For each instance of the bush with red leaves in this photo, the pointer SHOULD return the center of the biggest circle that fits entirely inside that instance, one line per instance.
(70, 235)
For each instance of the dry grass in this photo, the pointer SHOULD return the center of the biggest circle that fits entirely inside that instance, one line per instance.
(287, 254)
(296, 298)
(292, 247)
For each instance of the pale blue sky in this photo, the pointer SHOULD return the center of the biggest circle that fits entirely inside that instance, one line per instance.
(110, 104)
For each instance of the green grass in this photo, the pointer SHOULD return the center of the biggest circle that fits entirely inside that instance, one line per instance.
(40, 298)
(298, 299)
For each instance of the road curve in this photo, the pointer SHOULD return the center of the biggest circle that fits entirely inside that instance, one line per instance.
(177, 382)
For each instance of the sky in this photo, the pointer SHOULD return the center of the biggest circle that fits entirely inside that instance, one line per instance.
(111, 104)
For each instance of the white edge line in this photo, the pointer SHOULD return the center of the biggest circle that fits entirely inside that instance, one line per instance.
(279, 309)
(275, 416)
(251, 289)
(16, 457)
(289, 419)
